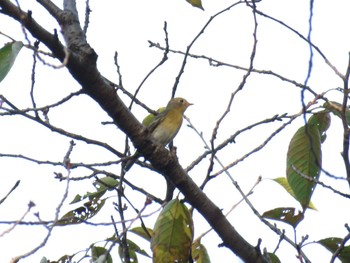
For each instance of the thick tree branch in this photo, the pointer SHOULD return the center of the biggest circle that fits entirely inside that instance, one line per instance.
(82, 66)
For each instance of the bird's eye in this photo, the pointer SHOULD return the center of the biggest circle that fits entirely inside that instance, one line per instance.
(181, 101)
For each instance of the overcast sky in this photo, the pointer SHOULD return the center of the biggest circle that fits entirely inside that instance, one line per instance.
(126, 27)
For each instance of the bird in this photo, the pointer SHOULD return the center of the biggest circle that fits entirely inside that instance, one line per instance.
(165, 126)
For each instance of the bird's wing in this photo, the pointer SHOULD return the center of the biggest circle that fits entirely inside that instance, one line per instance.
(157, 119)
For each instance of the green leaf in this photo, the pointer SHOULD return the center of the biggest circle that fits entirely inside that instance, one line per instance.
(273, 258)
(76, 199)
(106, 183)
(304, 159)
(333, 244)
(132, 255)
(133, 249)
(92, 205)
(284, 183)
(196, 3)
(199, 252)
(63, 259)
(140, 231)
(82, 213)
(100, 255)
(173, 234)
(336, 109)
(8, 55)
(285, 214)
(102, 185)
(322, 120)
(90, 196)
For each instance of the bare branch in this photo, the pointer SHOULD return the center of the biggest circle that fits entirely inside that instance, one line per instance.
(30, 206)
(182, 69)
(8, 194)
(346, 130)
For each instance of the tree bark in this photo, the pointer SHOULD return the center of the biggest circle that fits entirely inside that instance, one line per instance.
(82, 66)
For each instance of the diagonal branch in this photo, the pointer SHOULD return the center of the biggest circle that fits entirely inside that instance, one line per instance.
(82, 66)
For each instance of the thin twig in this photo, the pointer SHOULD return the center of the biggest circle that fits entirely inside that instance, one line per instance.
(30, 206)
(315, 180)
(17, 111)
(161, 62)
(87, 16)
(233, 94)
(303, 38)
(8, 194)
(182, 68)
(346, 131)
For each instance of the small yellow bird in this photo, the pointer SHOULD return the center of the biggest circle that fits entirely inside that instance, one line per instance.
(165, 125)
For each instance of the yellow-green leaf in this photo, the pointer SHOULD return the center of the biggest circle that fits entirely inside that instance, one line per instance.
(282, 181)
(199, 252)
(145, 233)
(173, 234)
(107, 182)
(196, 3)
(336, 109)
(304, 160)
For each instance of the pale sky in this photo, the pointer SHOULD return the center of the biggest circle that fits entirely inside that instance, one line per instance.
(126, 27)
